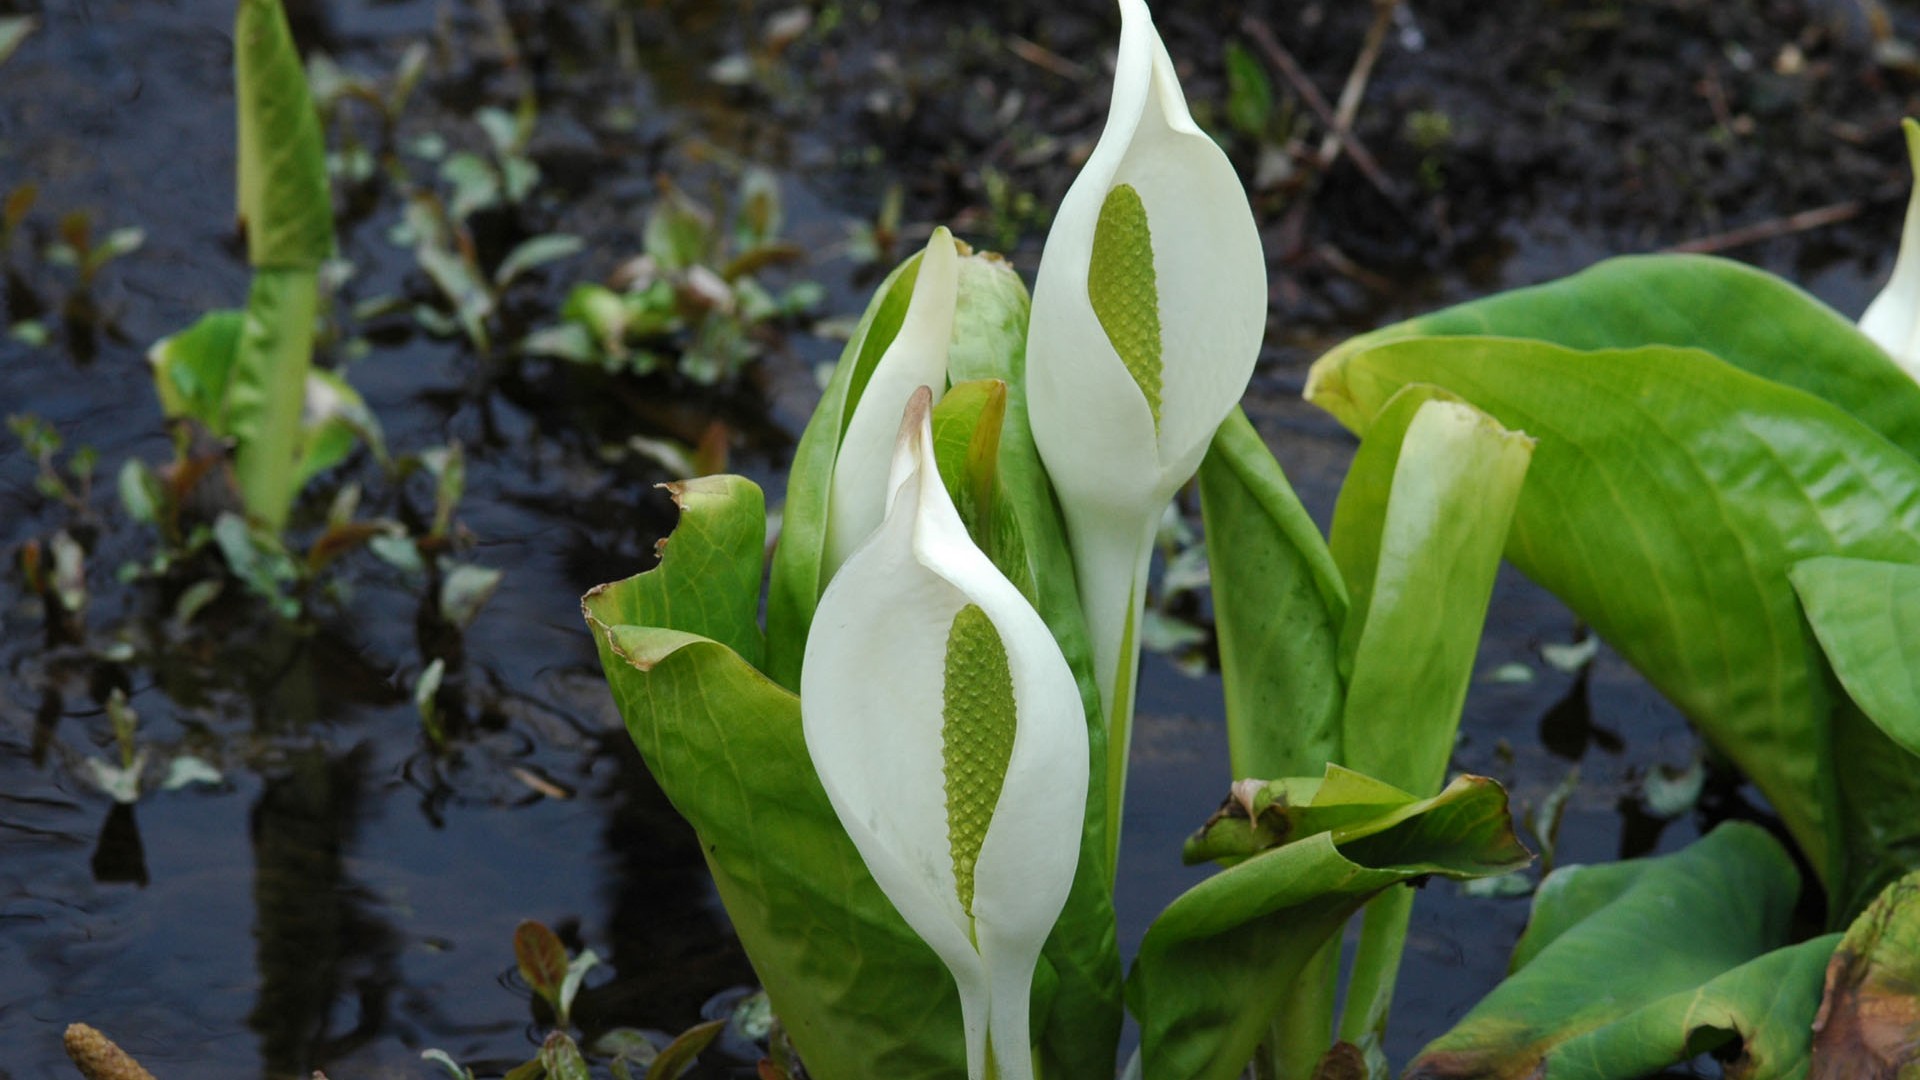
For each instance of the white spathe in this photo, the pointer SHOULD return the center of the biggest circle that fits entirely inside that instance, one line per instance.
(1112, 466)
(916, 357)
(872, 692)
(1893, 319)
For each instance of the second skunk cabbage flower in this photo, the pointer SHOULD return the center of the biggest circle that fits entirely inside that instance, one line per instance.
(916, 357)
(947, 731)
(1893, 319)
(1148, 314)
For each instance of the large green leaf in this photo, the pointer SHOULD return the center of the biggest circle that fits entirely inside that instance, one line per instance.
(1278, 607)
(860, 994)
(266, 394)
(1225, 957)
(1747, 317)
(1080, 1036)
(1669, 495)
(795, 584)
(1638, 959)
(1867, 617)
(284, 199)
(1869, 1022)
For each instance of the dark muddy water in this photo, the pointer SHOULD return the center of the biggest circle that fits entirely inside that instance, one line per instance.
(344, 896)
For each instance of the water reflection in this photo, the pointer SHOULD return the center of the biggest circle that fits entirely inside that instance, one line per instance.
(118, 856)
(316, 938)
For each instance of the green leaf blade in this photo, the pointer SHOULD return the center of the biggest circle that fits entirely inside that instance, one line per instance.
(284, 199)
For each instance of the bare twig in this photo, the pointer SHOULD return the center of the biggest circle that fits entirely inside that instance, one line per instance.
(1356, 87)
(1804, 221)
(1290, 68)
(1046, 59)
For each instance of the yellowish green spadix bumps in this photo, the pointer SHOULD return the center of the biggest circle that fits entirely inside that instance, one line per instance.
(976, 737)
(1121, 287)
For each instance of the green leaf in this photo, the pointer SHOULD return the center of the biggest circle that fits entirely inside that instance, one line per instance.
(1226, 957)
(1249, 92)
(1669, 495)
(1869, 1024)
(1765, 1006)
(191, 369)
(1747, 317)
(534, 252)
(858, 991)
(678, 1057)
(795, 584)
(334, 418)
(1624, 964)
(1867, 617)
(1417, 535)
(284, 199)
(708, 580)
(266, 394)
(1278, 619)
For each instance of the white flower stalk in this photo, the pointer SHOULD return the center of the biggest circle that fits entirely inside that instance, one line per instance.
(947, 730)
(916, 357)
(1147, 318)
(1893, 319)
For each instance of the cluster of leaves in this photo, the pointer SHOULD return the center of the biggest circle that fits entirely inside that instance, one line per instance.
(692, 302)
(556, 980)
(1726, 491)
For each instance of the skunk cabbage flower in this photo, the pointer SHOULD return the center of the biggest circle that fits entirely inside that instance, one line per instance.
(1893, 319)
(916, 357)
(1147, 318)
(947, 730)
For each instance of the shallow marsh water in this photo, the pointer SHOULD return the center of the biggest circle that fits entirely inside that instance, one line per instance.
(344, 897)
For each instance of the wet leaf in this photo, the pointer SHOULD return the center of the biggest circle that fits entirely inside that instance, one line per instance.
(1225, 958)
(69, 577)
(1869, 1019)
(679, 1055)
(542, 959)
(191, 369)
(628, 1044)
(577, 969)
(14, 30)
(1682, 945)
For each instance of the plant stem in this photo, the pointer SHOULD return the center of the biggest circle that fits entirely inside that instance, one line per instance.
(1376, 966)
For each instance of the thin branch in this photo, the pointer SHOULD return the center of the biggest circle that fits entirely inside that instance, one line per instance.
(1804, 221)
(1290, 68)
